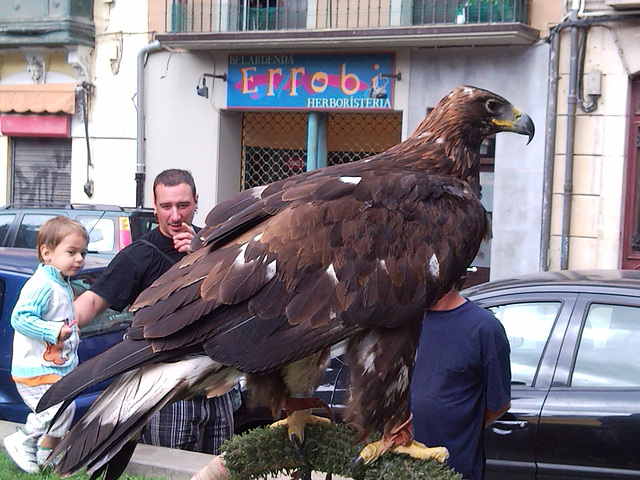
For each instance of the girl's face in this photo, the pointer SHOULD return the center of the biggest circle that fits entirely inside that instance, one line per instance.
(68, 256)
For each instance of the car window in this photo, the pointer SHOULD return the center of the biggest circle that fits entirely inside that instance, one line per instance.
(608, 350)
(26, 237)
(6, 219)
(141, 224)
(102, 233)
(104, 322)
(527, 326)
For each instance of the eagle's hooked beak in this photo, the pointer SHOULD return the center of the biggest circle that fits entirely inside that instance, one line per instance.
(519, 122)
(524, 125)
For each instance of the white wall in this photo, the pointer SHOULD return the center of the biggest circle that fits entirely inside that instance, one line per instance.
(520, 75)
(182, 128)
(121, 31)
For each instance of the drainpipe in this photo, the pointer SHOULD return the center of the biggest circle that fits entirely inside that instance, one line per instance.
(549, 152)
(572, 101)
(140, 139)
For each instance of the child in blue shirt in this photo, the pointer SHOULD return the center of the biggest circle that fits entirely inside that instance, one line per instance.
(45, 341)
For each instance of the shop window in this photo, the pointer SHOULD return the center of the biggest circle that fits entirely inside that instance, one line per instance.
(274, 144)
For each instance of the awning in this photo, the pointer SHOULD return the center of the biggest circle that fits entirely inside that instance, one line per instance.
(52, 126)
(38, 98)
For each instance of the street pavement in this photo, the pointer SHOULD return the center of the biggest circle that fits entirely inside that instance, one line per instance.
(160, 462)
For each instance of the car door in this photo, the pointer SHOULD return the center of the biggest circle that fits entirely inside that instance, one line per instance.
(535, 325)
(590, 422)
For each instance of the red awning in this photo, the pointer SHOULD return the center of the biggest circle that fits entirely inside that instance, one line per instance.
(38, 98)
(58, 126)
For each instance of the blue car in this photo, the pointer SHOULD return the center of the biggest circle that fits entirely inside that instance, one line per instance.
(107, 329)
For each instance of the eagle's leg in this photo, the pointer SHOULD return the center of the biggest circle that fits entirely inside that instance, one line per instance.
(380, 364)
(298, 412)
(301, 379)
(399, 440)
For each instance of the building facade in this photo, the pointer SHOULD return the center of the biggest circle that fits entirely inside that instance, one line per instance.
(422, 50)
(243, 92)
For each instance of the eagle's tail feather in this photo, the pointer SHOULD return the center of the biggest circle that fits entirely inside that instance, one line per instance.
(115, 468)
(122, 357)
(120, 413)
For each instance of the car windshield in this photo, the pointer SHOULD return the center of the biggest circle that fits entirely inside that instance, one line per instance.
(104, 322)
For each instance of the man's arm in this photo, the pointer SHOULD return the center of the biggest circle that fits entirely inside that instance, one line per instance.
(492, 415)
(87, 306)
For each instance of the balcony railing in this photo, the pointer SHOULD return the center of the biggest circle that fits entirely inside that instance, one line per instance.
(208, 16)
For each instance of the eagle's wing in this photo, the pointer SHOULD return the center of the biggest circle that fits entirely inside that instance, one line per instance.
(305, 267)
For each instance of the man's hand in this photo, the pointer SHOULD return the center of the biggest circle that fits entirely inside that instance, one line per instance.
(182, 240)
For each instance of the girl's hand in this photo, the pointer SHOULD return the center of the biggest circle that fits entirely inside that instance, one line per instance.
(65, 332)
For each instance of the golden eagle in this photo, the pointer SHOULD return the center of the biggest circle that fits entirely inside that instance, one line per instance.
(353, 252)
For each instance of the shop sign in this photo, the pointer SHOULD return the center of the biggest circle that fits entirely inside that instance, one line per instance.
(311, 82)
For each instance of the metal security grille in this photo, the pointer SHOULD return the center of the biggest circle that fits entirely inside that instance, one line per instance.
(41, 170)
(353, 136)
(274, 144)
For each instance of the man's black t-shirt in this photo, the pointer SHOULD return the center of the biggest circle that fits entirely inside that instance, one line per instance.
(134, 268)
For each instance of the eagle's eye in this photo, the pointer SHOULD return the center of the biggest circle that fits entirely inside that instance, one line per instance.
(492, 106)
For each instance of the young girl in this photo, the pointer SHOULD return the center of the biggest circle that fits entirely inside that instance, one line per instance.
(45, 340)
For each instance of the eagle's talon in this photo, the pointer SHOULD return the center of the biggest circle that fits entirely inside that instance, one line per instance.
(356, 465)
(371, 452)
(297, 450)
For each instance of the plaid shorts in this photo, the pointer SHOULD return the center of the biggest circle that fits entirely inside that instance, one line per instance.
(39, 424)
(199, 424)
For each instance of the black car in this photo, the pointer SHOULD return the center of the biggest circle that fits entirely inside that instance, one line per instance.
(575, 363)
(110, 227)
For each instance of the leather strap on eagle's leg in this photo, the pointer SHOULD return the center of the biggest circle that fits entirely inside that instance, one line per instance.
(400, 435)
(293, 404)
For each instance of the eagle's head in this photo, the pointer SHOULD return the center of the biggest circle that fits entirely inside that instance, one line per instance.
(448, 140)
(469, 114)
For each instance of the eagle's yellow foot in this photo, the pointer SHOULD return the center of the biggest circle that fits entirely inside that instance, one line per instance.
(399, 440)
(371, 452)
(296, 422)
(421, 451)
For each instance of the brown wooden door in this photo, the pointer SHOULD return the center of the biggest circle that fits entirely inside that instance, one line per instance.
(631, 227)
